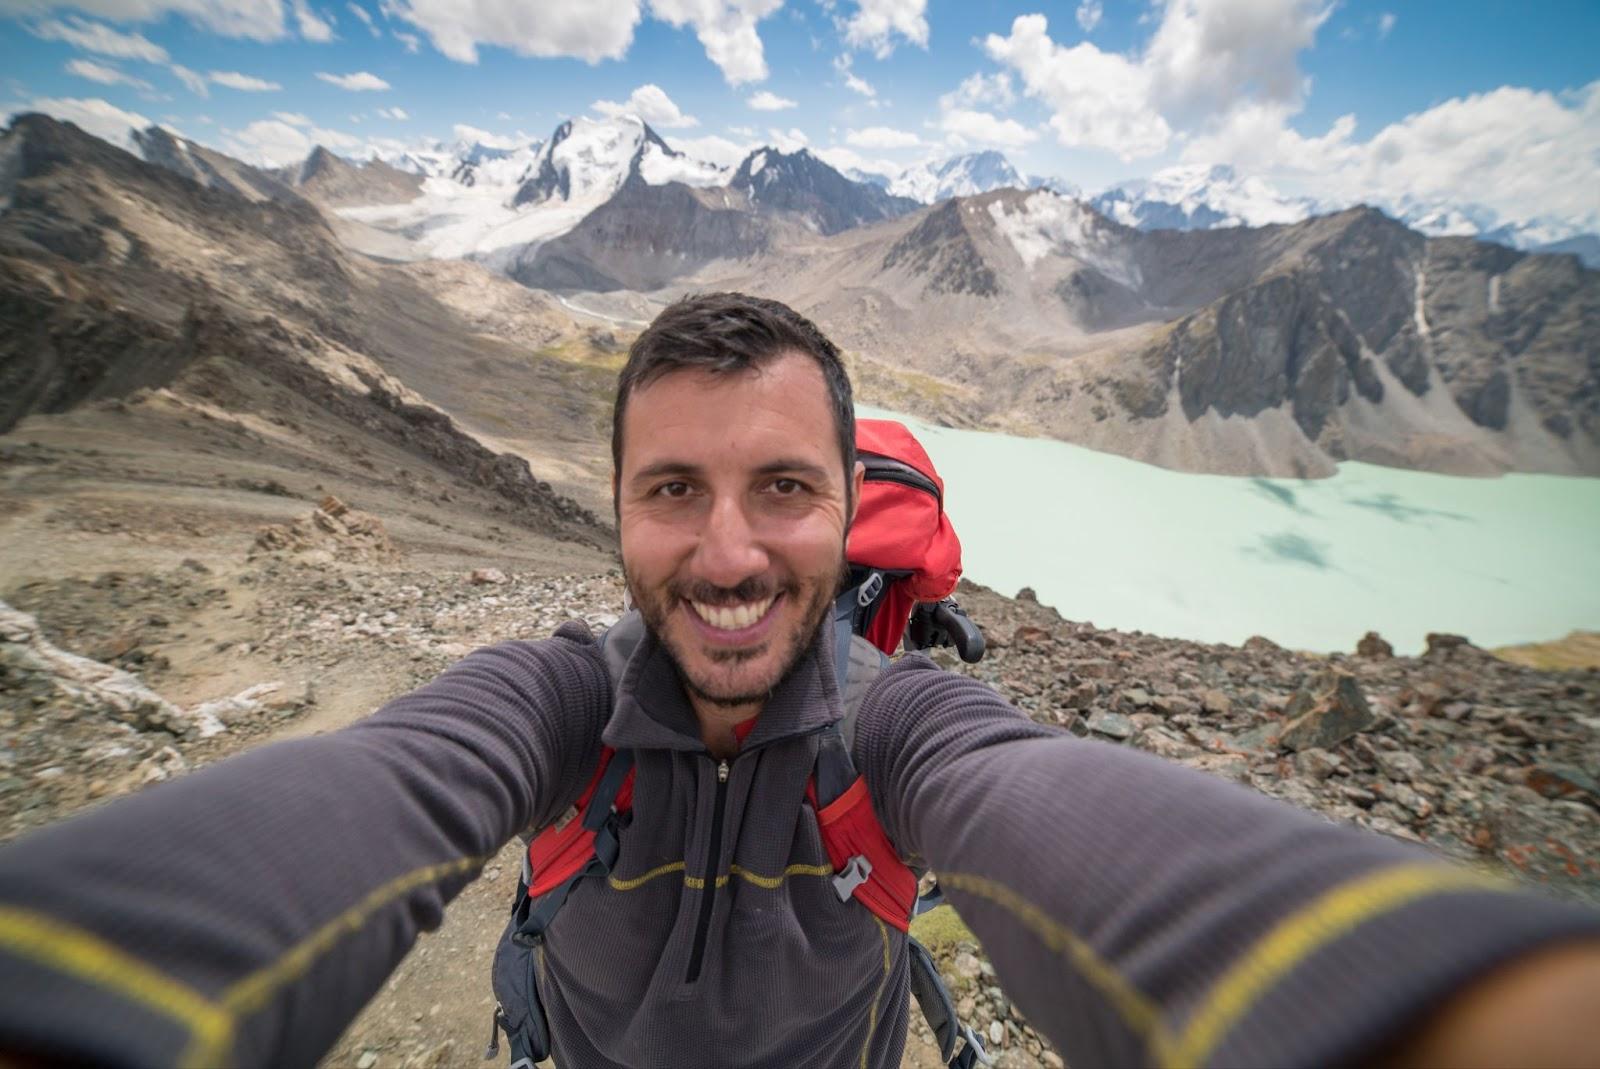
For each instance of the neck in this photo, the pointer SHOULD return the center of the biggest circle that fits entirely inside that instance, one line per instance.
(717, 722)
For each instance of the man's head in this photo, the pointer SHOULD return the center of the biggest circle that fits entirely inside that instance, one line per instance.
(734, 444)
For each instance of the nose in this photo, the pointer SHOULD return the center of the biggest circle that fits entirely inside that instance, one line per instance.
(729, 550)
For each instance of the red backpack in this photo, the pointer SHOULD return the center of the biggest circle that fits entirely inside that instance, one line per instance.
(905, 561)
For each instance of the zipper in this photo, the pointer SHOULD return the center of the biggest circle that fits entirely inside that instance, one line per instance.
(882, 469)
(708, 899)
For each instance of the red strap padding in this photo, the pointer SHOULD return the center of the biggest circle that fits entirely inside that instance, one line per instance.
(848, 824)
(556, 854)
(849, 827)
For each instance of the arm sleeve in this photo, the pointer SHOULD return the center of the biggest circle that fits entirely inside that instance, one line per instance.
(1142, 913)
(245, 913)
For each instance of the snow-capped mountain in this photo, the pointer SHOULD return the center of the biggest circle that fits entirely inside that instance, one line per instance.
(495, 204)
(803, 185)
(959, 176)
(1198, 197)
(1052, 184)
(589, 159)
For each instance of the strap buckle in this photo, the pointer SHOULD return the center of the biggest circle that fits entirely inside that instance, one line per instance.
(855, 873)
(870, 589)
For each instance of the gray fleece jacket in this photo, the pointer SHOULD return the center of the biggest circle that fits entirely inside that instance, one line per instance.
(1138, 913)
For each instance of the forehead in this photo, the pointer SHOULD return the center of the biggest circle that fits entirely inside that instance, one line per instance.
(696, 416)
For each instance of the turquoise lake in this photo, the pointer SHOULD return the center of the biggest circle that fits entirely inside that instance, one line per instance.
(1310, 564)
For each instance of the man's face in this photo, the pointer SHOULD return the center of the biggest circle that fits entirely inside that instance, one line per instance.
(732, 505)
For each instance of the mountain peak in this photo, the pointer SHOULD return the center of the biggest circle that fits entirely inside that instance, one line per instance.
(802, 184)
(957, 176)
(589, 159)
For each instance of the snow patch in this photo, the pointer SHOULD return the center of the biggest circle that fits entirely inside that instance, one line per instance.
(1051, 225)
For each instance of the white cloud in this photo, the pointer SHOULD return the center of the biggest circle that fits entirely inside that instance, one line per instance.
(841, 63)
(1521, 153)
(650, 103)
(881, 137)
(472, 135)
(1386, 23)
(193, 80)
(261, 20)
(97, 37)
(846, 159)
(981, 90)
(727, 29)
(358, 82)
(361, 13)
(95, 116)
(790, 140)
(398, 114)
(503, 115)
(293, 118)
(243, 82)
(313, 27)
(411, 41)
(877, 23)
(104, 74)
(765, 101)
(1206, 60)
(274, 143)
(1099, 99)
(591, 31)
(966, 126)
(1209, 55)
(714, 149)
(1089, 15)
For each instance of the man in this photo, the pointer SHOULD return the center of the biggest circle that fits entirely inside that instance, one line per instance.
(1138, 913)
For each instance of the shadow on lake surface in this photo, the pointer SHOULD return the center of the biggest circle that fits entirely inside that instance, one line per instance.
(1287, 547)
(1390, 505)
(1281, 494)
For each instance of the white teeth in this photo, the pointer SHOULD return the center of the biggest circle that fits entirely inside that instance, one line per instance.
(732, 617)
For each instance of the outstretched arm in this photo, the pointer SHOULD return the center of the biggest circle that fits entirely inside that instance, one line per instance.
(1141, 913)
(245, 913)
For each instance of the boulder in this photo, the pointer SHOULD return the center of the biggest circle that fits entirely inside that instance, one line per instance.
(1111, 725)
(1324, 713)
(1372, 645)
(1441, 643)
(1557, 781)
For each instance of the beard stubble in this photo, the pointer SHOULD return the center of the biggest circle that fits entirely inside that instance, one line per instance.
(656, 605)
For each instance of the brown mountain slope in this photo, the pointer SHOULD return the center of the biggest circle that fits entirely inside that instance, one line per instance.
(116, 275)
(1278, 350)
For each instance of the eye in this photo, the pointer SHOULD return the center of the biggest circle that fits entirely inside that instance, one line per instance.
(674, 489)
(787, 487)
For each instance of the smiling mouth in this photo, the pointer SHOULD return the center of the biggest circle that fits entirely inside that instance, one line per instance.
(733, 617)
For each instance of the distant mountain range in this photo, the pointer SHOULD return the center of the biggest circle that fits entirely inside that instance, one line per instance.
(1278, 349)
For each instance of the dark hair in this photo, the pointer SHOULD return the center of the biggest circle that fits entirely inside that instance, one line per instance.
(728, 332)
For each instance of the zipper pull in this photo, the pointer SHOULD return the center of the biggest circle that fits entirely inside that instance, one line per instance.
(722, 771)
(493, 1048)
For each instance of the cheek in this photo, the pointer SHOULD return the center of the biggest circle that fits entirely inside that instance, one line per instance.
(650, 547)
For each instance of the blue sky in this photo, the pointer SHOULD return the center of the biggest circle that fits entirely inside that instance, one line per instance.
(1440, 100)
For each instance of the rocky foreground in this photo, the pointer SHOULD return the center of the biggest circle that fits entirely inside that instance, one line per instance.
(1485, 761)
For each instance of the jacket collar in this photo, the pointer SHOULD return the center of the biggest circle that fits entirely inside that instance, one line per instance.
(652, 711)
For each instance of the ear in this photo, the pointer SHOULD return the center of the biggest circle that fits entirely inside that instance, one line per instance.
(857, 478)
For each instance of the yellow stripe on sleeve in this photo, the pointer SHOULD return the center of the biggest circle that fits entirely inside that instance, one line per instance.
(1301, 934)
(70, 950)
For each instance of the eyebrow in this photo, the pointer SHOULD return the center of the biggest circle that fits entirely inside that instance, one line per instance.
(781, 466)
